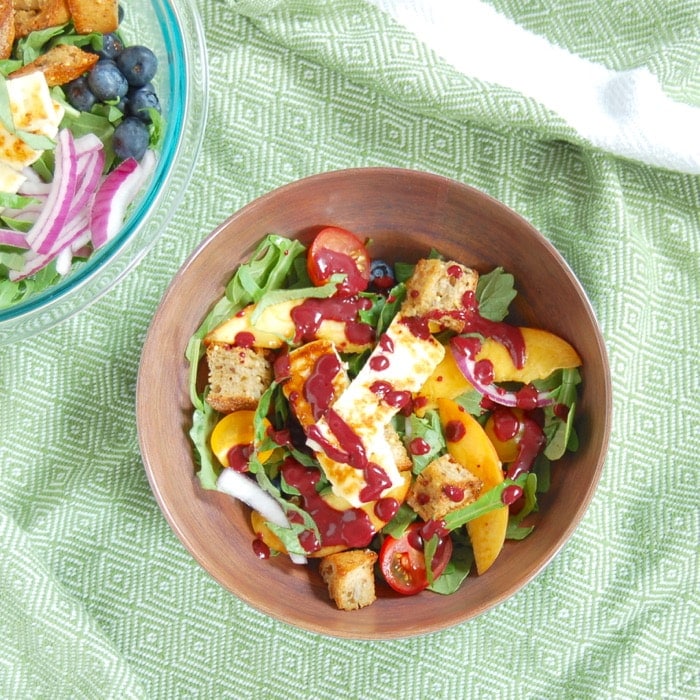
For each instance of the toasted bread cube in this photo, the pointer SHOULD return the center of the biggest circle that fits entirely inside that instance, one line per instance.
(349, 576)
(436, 290)
(33, 16)
(403, 459)
(7, 28)
(94, 15)
(238, 377)
(443, 486)
(60, 64)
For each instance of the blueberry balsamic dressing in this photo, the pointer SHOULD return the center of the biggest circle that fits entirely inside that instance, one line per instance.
(309, 315)
(351, 527)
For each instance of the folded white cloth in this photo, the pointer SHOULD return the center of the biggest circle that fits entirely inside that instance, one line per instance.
(623, 112)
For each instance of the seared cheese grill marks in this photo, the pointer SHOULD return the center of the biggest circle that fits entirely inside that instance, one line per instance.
(33, 111)
(353, 431)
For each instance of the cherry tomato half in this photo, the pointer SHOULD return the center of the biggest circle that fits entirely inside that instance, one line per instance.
(402, 562)
(335, 250)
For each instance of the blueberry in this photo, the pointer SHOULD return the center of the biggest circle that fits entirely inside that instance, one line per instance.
(112, 46)
(120, 13)
(381, 274)
(140, 99)
(79, 95)
(138, 64)
(106, 81)
(130, 139)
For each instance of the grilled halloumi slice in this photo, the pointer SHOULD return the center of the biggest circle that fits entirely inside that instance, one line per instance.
(310, 390)
(33, 111)
(10, 179)
(401, 362)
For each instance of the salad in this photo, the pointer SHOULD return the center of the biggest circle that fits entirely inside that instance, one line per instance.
(382, 420)
(80, 125)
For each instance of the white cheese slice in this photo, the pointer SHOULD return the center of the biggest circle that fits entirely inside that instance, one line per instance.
(410, 360)
(34, 111)
(10, 179)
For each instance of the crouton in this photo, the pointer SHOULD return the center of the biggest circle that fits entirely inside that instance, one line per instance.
(7, 28)
(403, 459)
(436, 290)
(94, 15)
(33, 16)
(349, 576)
(238, 377)
(443, 486)
(60, 64)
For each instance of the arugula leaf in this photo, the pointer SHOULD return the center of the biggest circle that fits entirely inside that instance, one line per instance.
(390, 308)
(491, 500)
(515, 531)
(429, 548)
(15, 201)
(403, 271)
(471, 400)
(277, 296)
(9, 65)
(427, 428)
(35, 141)
(494, 292)
(203, 421)
(405, 515)
(458, 567)
(33, 45)
(266, 270)
(559, 432)
(8, 290)
(6, 117)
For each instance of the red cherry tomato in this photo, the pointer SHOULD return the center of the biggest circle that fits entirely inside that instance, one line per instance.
(335, 250)
(402, 562)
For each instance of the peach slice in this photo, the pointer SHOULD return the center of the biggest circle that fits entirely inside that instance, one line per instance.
(446, 381)
(470, 446)
(545, 352)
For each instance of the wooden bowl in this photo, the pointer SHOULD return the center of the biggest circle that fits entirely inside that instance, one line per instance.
(405, 214)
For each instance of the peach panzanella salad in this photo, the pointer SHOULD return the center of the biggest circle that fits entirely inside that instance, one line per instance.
(381, 420)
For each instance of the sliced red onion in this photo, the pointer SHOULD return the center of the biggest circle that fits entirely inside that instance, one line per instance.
(16, 239)
(89, 176)
(48, 225)
(112, 199)
(33, 262)
(528, 397)
(87, 143)
(64, 260)
(34, 188)
(245, 489)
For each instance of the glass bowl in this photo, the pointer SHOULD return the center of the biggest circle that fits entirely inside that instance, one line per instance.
(174, 32)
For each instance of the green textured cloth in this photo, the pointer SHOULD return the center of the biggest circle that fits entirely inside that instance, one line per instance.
(99, 599)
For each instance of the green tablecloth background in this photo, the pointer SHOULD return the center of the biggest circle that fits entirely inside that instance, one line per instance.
(98, 598)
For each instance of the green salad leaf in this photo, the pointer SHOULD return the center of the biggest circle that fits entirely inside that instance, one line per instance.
(266, 270)
(458, 567)
(515, 530)
(494, 292)
(491, 500)
(204, 419)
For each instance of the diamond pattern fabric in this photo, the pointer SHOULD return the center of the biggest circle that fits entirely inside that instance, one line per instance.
(99, 599)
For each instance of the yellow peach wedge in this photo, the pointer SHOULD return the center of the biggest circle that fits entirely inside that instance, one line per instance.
(470, 446)
(545, 352)
(446, 381)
